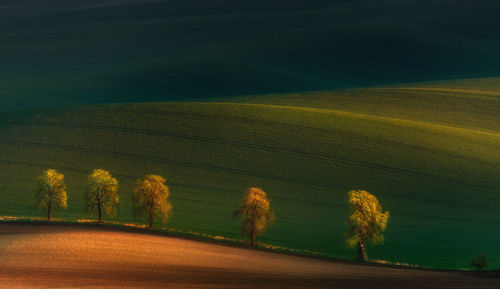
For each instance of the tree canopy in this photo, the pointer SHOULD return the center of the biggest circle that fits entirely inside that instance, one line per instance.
(101, 194)
(480, 262)
(256, 211)
(51, 192)
(151, 197)
(366, 223)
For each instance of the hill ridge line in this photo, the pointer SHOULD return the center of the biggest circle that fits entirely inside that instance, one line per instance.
(478, 93)
(401, 121)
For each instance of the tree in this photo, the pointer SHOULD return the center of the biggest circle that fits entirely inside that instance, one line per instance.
(366, 223)
(479, 262)
(256, 212)
(101, 194)
(51, 192)
(151, 197)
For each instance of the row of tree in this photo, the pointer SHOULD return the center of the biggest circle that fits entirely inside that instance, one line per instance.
(367, 221)
(101, 195)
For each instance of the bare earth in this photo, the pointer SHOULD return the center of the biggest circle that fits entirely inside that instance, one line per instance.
(41, 256)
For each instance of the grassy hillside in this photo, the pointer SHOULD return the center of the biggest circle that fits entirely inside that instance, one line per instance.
(466, 103)
(89, 51)
(439, 182)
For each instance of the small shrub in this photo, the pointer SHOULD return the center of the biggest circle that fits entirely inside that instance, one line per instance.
(479, 262)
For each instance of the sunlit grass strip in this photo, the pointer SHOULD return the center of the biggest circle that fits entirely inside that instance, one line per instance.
(402, 264)
(477, 93)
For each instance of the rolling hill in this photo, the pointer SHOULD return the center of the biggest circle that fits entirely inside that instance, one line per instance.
(87, 51)
(437, 175)
(113, 258)
(464, 103)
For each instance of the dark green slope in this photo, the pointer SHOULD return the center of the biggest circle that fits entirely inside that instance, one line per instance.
(58, 53)
(439, 182)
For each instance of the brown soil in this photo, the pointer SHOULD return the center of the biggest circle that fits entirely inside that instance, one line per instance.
(43, 256)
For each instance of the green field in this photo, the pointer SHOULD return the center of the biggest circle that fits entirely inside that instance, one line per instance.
(306, 99)
(465, 103)
(436, 171)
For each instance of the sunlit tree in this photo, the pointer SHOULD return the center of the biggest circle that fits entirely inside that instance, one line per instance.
(366, 223)
(256, 212)
(101, 194)
(151, 198)
(51, 192)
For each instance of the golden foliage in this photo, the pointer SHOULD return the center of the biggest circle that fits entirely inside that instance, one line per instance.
(102, 193)
(51, 191)
(367, 221)
(256, 211)
(151, 197)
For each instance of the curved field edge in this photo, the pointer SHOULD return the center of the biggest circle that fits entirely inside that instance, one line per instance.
(77, 256)
(466, 103)
(162, 230)
(136, 228)
(438, 181)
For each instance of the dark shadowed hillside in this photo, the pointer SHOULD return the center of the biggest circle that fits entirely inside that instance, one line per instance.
(72, 52)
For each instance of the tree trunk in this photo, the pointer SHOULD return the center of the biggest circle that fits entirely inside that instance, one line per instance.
(99, 209)
(49, 211)
(252, 231)
(151, 217)
(362, 256)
